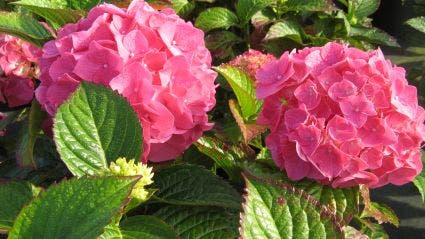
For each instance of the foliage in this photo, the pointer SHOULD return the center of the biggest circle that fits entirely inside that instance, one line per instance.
(75, 182)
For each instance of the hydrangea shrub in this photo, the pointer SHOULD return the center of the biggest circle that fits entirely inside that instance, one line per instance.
(17, 63)
(148, 58)
(341, 116)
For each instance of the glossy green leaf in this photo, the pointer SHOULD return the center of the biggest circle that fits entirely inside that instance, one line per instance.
(243, 87)
(342, 202)
(94, 127)
(373, 35)
(420, 184)
(24, 27)
(200, 222)
(78, 208)
(13, 197)
(195, 186)
(111, 231)
(220, 153)
(245, 9)
(360, 9)
(25, 150)
(215, 18)
(84, 5)
(305, 5)
(147, 227)
(275, 210)
(182, 7)
(285, 29)
(56, 17)
(418, 23)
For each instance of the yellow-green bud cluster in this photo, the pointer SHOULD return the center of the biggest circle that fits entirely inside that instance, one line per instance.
(122, 167)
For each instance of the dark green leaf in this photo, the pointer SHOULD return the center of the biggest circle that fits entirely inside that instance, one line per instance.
(55, 16)
(147, 227)
(195, 186)
(373, 35)
(13, 197)
(274, 210)
(360, 9)
(285, 29)
(25, 150)
(78, 208)
(200, 222)
(84, 5)
(216, 17)
(220, 153)
(221, 39)
(420, 184)
(243, 87)
(94, 127)
(418, 23)
(245, 9)
(24, 27)
(306, 5)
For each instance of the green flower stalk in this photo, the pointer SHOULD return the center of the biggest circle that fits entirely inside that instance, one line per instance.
(122, 167)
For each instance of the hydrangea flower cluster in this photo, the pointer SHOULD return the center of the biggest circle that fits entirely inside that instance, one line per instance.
(251, 61)
(17, 58)
(156, 60)
(123, 168)
(341, 116)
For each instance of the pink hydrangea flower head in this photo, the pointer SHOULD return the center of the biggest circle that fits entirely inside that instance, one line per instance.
(251, 61)
(156, 60)
(341, 116)
(18, 65)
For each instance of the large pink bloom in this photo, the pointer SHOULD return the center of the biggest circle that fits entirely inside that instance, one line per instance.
(157, 61)
(341, 116)
(17, 63)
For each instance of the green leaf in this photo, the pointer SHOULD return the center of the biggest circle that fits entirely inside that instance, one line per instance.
(341, 202)
(216, 17)
(245, 9)
(78, 208)
(263, 17)
(420, 184)
(55, 16)
(147, 227)
(418, 23)
(373, 35)
(195, 186)
(220, 153)
(360, 9)
(84, 5)
(94, 127)
(111, 231)
(13, 197)
(281, 211)
(24, 27)
(243, 87)
(200, 222)
(381, 212)
(25, 150)
(285, 29)
(182, 7)
(221, 39)
(305, 5)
